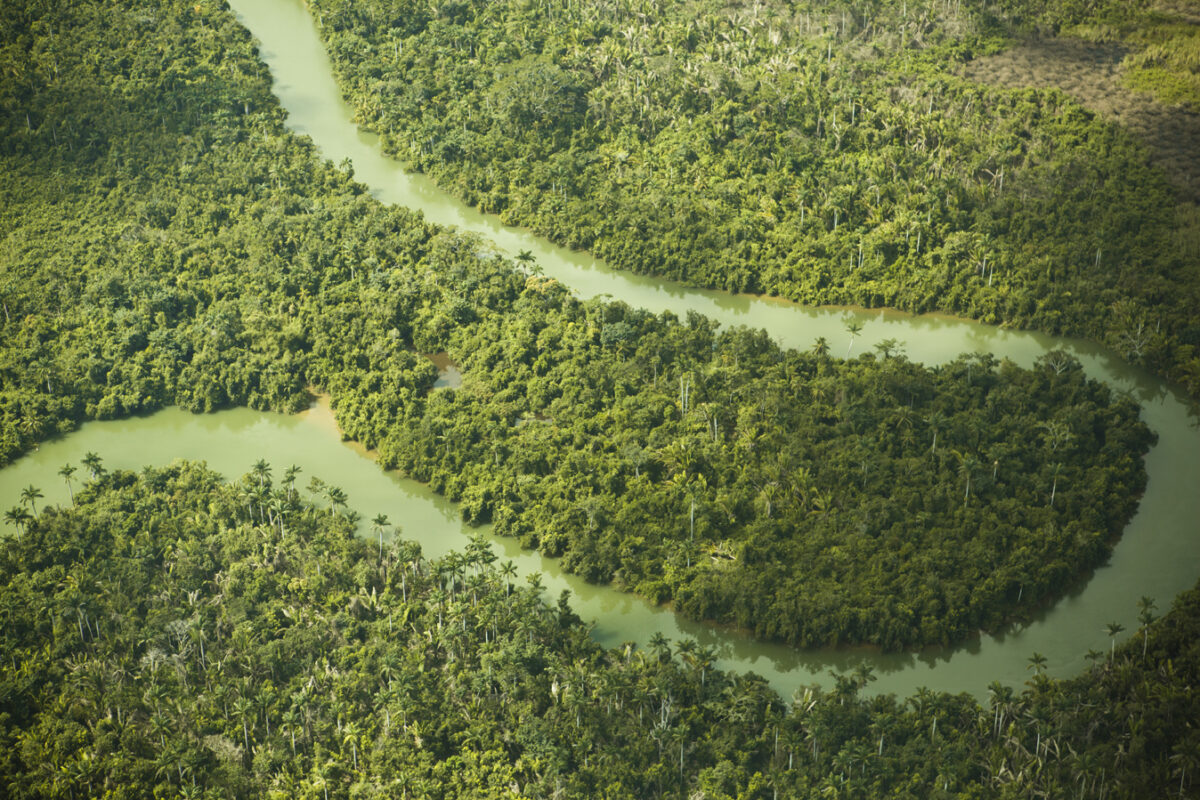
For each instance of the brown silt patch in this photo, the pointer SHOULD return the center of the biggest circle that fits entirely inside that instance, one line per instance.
(1092, 74)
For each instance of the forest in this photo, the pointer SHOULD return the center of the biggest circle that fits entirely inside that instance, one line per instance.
(826, 153)
(170, 635)
(213, 261)
(168, 241)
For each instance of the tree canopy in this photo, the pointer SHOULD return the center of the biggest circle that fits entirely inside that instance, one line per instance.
(827, 153)
(166, 240)
(173, 635)
(196, 253)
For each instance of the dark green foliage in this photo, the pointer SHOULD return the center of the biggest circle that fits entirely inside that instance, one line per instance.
(825, 153)
(203, 257)
(805, 498)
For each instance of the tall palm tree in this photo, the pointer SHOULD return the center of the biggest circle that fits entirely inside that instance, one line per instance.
(1145, 616)
(289, 478)
(92, 462)
(262, 471)
(1113, 629)
(350, 735)
(659, 643)
(66, 472)
(378, 524)
(243, 709)
(18, 517)
(30, 495)
(966, 468)
(854, 329)
(337, 497)
(291, 721)
(935, 420)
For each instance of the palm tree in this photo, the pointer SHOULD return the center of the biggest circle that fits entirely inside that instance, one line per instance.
(966, 467)
(1184, 757)
(1113, 629)
(243, 709)
(529, 262)
(1145, 616)
(18, 517)
(262, 471)
(92, 462)
(350, 735)
(160, 727)
(66, 472)
(854, 329)
(336, 496)
(936, 420)
(289, 477)
(509, 570)
(696, 484)
(378, 524)
(30, 495)
(659, 643)
(1037, 663)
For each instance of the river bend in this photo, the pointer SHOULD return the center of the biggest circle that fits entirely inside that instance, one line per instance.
(1158, 555)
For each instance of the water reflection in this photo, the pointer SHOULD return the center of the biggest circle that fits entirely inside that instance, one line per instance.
(449, 373)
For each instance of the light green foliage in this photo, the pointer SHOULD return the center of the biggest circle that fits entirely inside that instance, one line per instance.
(174, 636)
(1168, 64)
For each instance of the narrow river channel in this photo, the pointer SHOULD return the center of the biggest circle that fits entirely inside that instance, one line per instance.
(1158, 556)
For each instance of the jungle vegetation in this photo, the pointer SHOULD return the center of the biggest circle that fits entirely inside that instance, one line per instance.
(170, 635)
(168, 247)
(166, 240)
(830, 153)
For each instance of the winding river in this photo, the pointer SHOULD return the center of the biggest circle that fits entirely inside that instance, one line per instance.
(1158, 555)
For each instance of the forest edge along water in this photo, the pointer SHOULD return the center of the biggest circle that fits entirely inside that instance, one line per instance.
(1157, 555)
(1148, 558)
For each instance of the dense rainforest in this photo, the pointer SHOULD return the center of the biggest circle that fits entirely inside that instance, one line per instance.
(805, 498)
(167, 241)
(824, 152)
(184, 248)
(170, 635)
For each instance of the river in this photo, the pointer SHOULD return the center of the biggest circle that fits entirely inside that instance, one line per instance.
(1158, 555)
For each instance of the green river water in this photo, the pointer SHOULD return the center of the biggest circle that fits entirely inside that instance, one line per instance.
(1158, 555)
